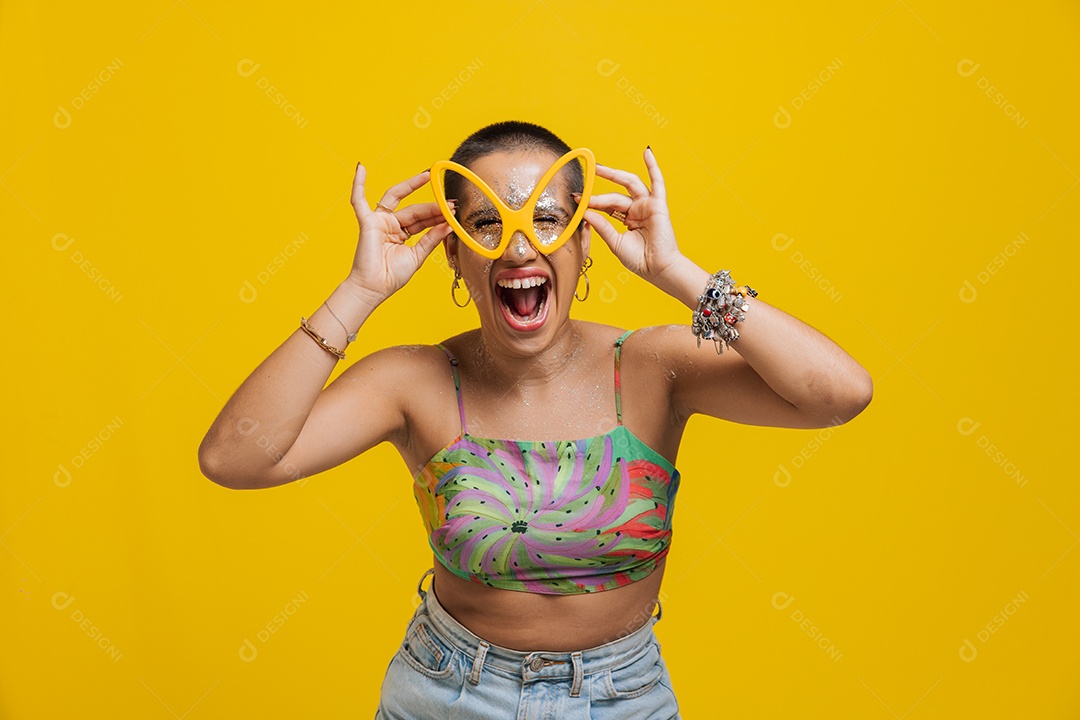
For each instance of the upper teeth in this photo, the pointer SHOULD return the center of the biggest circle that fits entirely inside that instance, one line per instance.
(518, 283)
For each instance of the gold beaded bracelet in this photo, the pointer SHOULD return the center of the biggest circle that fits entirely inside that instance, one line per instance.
(320, 339)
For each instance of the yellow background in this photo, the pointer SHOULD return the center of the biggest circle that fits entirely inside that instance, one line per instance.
(848, 162)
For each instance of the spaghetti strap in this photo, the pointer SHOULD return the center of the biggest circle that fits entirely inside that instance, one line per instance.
(618, 380)
(457, 385)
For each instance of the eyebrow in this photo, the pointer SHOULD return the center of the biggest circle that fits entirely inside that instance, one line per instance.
(489, 211)
(558, 210)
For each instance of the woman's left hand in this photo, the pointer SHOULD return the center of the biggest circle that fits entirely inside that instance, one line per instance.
(648, 247)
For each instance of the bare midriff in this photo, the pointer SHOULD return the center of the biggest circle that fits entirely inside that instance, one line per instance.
(531, 622)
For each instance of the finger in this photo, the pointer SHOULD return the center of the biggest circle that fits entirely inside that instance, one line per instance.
(430, 240)
(419, 226)
(409, 231)
(419, 213)
(403, 189)
(359, 201)
(604, 229)
(628, 180)
(656, 179)
(610, 201)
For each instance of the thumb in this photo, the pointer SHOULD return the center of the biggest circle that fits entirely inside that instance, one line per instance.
(431, 240)
(604, 229)
(358, 199)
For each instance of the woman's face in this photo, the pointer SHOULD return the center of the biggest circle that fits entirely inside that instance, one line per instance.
(524, 296)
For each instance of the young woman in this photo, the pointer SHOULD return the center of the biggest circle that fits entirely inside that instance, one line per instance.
(542, 447)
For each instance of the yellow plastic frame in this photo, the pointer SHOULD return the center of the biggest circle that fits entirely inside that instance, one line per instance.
(514, 220)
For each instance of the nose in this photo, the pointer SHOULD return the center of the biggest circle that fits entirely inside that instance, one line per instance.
(519, 249)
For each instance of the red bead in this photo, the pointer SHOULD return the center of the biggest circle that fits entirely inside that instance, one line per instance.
(706, 312)
(729, 318)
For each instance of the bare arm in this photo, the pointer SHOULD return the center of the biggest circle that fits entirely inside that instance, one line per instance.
(254, 442)
(782, 372)
(281, 425)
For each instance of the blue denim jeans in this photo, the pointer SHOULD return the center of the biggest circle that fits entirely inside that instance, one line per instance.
(442, 670)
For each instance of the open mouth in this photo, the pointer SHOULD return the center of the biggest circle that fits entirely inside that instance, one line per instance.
(524, 301)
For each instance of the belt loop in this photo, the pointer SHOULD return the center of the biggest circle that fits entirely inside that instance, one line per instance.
(659, 610)
(478, 663)
(420, 585)
(575, 688)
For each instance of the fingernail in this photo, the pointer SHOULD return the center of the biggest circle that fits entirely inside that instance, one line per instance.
(576, 196)
(428, 170)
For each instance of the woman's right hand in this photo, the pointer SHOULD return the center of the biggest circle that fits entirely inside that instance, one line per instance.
(383, 262)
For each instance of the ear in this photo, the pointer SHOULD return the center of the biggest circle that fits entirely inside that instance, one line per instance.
(450, 245)
(586, 237)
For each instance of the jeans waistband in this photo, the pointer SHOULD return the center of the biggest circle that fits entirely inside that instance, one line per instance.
(536, 664)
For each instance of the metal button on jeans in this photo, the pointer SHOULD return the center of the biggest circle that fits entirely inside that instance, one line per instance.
(537, 663)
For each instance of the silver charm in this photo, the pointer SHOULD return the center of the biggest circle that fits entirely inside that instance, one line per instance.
(720, 301)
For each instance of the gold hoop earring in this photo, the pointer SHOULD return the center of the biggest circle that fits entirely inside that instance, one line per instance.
(584, 273)
(455, 287)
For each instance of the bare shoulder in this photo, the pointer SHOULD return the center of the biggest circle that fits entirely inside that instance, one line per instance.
(458, 345)
(669, 358)
(394, 392)
(598, 334)
(649, 353)
(396, 377)
(653, 346)
(395, 363)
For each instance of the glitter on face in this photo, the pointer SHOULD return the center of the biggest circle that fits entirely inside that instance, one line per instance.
(516, 192)
(480, 217)
(520, 245)
(482, 221)
(549, 218)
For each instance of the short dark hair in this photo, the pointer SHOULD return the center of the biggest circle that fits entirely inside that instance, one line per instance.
(511, 135)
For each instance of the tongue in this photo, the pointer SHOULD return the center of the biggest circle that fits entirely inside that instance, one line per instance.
(524, 301)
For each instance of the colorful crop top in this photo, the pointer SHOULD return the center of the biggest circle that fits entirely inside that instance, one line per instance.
(554, 517)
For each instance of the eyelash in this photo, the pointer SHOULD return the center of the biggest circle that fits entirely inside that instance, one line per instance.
(489, 221)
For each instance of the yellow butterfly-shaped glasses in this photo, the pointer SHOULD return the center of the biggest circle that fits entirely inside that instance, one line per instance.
(524, 218)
